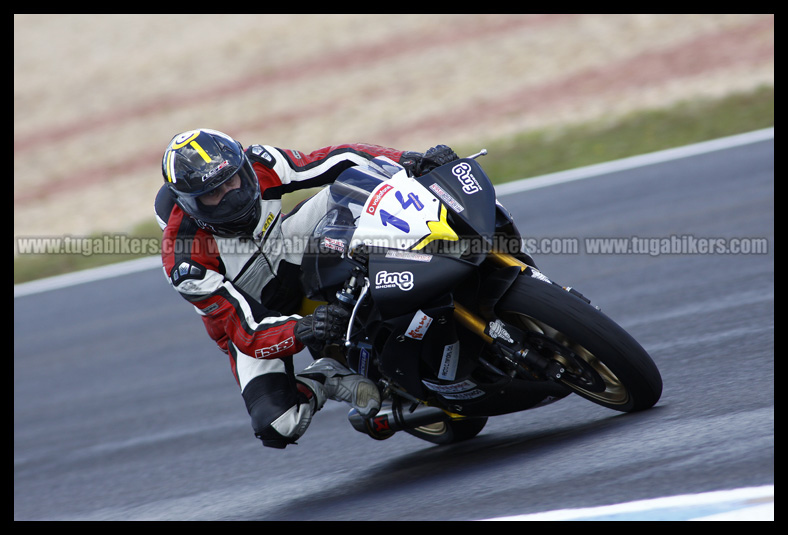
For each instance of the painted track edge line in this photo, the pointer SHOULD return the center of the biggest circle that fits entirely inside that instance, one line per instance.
(86, 275)
(633, 162)
(738, 498)
(507, 188)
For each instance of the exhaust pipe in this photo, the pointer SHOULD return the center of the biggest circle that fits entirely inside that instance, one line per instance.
(393, 418)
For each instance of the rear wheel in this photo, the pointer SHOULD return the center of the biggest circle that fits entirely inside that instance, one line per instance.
(602, 362)
(449, 432)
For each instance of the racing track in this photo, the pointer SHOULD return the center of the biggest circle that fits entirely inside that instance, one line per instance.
(124, 410)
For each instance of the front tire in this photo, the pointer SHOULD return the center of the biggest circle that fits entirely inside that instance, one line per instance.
(603, 363)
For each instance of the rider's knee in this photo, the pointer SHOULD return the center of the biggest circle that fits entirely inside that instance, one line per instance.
(280, 413)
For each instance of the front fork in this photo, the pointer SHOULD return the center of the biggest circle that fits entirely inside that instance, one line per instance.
(499, 334)
(471, 321)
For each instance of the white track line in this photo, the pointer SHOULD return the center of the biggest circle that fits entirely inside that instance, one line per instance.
(634, 162)
(526, 184)
(752, 503)
(87, 275)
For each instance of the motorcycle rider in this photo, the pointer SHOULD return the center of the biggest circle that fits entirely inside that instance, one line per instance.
(230, 252)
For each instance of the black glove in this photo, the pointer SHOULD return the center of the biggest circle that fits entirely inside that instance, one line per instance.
(418, 164)
(326, 323)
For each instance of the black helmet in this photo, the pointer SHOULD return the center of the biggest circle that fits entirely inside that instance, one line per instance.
(199, 161)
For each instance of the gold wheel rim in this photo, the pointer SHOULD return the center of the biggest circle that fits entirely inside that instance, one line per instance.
(615, 393)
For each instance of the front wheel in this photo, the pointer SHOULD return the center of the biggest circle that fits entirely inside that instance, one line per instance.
(602, 362)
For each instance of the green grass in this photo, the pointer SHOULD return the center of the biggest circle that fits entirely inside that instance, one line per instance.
(34, 266)
(541, 152)
(530, 154)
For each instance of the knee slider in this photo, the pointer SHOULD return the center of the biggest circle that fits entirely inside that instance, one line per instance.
(280, 413)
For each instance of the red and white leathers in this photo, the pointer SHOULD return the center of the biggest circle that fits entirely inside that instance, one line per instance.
(248, 291)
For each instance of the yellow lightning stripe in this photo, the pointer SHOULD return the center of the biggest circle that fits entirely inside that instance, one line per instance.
(190, 140)
(439, 230)
(194, 144)
(201, 152)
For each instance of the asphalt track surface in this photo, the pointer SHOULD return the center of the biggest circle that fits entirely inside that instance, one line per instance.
(123, 409)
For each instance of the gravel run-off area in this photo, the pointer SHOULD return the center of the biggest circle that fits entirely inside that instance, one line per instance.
(98, 97)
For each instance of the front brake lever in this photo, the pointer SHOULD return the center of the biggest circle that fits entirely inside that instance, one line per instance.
(361, 296)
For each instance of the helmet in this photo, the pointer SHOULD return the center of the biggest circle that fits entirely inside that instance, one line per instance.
(199, 161)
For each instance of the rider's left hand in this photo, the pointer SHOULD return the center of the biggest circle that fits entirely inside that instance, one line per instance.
(327, 323)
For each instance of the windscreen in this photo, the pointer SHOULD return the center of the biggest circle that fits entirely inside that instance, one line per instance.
(351, 190)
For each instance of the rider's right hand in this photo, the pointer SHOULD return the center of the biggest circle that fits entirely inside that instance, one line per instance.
(418, 164)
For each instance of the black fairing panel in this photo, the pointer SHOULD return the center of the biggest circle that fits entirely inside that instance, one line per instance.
(466, 183)
(399, 285)
(414, 346)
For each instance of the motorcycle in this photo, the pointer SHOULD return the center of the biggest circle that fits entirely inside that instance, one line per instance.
(449, 313)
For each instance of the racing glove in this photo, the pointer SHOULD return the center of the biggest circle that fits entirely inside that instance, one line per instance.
(418, 164)
(327, 323)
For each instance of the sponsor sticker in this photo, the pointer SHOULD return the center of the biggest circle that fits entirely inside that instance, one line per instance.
(497, 330)
(535, 273)
(453, 388)
(451, 356)
(471, 394)
(408, 255)
(363, 362)
(448, 199)
(336, 245)
(394, 279)
(418, 326)
(463, 173)
(376, 197)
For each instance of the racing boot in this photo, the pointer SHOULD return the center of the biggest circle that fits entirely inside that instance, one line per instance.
(329, 379)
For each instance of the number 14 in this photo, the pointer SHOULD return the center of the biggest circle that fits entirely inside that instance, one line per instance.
(388, 219)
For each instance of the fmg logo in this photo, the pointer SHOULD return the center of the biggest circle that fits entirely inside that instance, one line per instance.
(390, 279)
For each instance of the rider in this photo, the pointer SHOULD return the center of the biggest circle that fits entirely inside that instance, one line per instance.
(229, 251)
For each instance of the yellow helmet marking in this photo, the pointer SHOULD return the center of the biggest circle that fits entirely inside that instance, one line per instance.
(168, 167)
(187, 138)
(183, 139)
(200, 151)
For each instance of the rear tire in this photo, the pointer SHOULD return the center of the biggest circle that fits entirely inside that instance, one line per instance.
(603, 363)
(450, 432)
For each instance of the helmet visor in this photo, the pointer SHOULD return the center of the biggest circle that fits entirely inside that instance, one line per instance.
(226, 200)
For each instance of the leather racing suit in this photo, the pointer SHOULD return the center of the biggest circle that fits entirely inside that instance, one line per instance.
(247, 290)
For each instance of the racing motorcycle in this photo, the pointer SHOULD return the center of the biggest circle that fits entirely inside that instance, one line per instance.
(450, 314)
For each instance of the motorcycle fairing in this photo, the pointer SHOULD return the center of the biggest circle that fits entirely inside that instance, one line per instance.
(412, 351)
(467, 192)
(401, 214)
(423, 364)
(398, 284)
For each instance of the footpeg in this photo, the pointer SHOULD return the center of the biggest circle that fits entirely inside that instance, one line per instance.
(393, 418)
